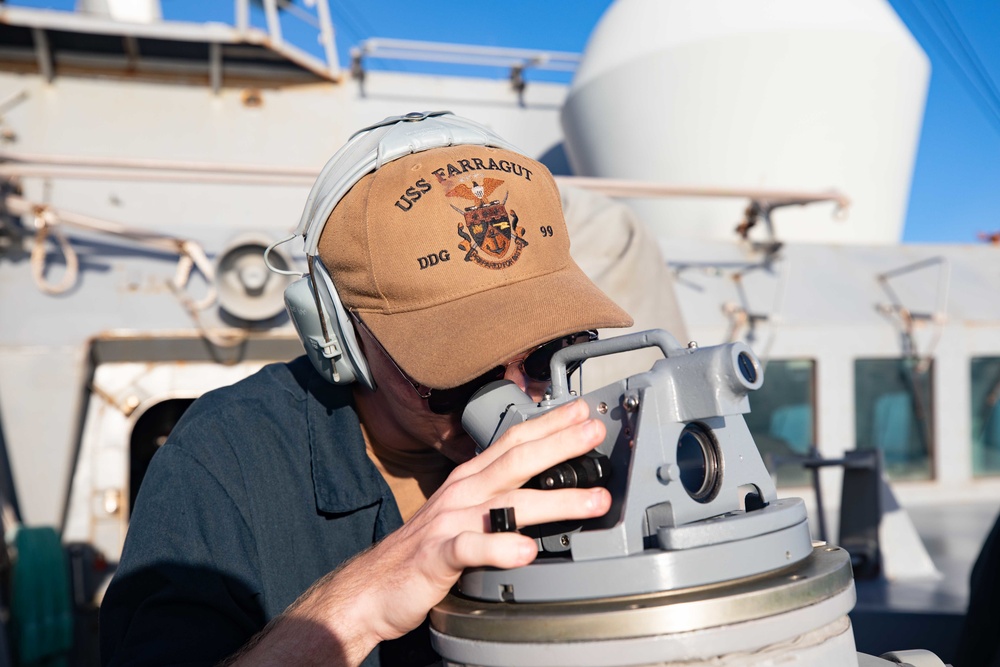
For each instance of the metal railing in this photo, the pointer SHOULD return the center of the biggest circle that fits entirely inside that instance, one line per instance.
(515, 61)
(321, 21)
(18, 164)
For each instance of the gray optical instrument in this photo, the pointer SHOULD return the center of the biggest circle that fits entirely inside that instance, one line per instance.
(692, 503)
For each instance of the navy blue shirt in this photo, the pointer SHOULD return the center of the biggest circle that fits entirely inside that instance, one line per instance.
(263, 488)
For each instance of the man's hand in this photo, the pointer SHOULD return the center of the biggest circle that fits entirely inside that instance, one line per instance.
(386, 591)
(422, 561)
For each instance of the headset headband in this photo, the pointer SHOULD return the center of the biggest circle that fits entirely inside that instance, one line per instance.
(378, 144)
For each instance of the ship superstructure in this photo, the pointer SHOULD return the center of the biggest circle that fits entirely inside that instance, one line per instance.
(145, 164)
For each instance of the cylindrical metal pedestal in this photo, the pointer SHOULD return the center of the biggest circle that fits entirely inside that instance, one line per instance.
(794, 617)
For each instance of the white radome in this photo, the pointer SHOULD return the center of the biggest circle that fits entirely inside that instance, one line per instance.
(785, 94)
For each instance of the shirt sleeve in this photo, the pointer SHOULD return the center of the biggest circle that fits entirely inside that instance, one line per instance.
(187, 589)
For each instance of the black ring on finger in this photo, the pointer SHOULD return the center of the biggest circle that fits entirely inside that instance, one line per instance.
(502, 520)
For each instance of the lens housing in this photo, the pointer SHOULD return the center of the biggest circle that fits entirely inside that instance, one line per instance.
(700, 462)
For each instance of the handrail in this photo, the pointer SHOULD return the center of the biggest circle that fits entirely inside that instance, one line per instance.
(37, 165)
(468, 54)
(74, 161)
(517, 61)
(627, 188)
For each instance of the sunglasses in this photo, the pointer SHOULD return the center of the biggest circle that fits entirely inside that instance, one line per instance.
(536, 366)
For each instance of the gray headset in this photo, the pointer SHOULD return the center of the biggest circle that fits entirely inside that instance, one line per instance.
(320, 318)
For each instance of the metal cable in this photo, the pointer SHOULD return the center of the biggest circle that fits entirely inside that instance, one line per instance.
(982, 100)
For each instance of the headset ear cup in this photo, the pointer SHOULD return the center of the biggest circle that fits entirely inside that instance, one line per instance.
(307, 318)
(342, 327)
(323, 336)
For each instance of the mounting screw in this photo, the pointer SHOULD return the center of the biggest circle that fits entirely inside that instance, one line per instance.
(693, 345)
(630, 402)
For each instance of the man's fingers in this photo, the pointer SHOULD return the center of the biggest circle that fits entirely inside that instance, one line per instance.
(534, 429)
(519, 464)
(478, 547)
(532, 507)
(505, 550)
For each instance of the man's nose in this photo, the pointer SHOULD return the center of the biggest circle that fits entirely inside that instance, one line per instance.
(533, 388)
(514, 373)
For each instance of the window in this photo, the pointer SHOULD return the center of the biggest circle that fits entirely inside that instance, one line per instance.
(893, 413)
(985, 376)
(782, 418)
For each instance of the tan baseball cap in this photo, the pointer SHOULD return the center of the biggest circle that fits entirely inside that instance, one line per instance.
(457, 259)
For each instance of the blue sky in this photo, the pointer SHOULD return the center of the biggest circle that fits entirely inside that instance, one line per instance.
(956, 183)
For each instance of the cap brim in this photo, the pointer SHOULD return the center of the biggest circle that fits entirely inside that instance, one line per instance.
(452, 343)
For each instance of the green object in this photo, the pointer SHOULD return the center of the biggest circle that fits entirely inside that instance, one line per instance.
(41, 603)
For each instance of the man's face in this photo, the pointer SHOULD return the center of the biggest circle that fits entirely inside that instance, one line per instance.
(397, 416)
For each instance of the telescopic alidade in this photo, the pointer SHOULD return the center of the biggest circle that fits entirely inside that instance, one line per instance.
(698, 562)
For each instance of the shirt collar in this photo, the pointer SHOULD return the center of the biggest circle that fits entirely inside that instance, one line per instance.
(344, 478)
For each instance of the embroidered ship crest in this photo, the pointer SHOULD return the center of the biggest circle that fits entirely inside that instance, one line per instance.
(491, 237)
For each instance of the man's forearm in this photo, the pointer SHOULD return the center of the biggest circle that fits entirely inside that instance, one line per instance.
(325, 626)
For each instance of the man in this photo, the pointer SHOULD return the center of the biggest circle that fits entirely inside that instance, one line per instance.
(338, 515)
